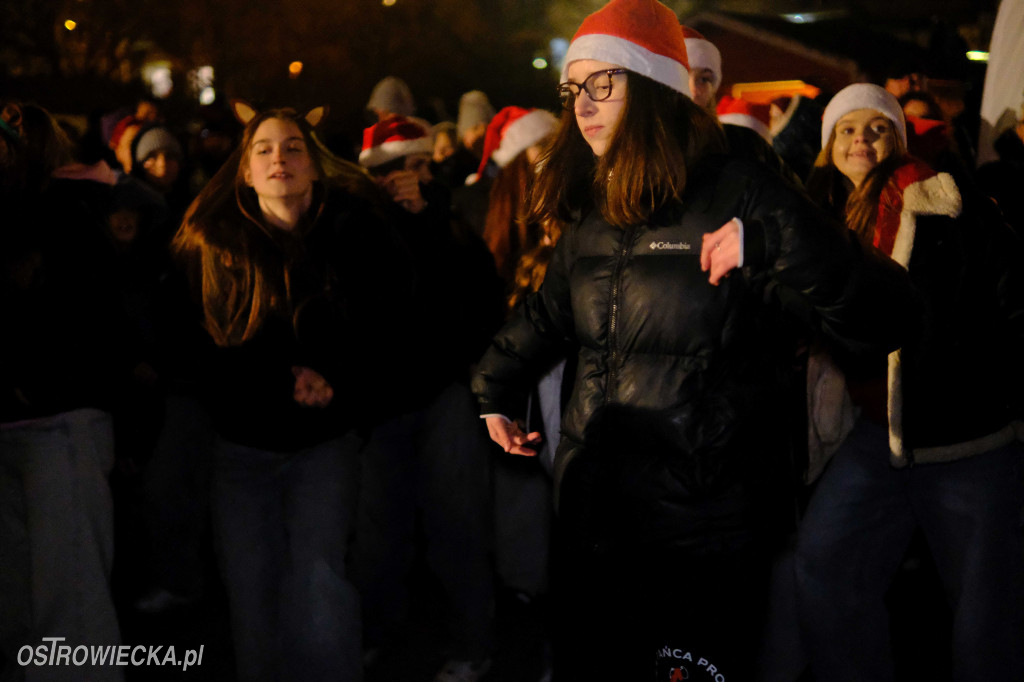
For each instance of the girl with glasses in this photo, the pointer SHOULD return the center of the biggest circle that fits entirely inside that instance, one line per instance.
(670, 279)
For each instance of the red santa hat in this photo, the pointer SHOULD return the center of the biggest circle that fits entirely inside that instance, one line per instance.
(643, 36)
(512, 131)
(393, 138)
(740, 112)
(703, 54)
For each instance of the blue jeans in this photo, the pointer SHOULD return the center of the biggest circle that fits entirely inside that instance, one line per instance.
(432, 465)
(857, 528)
(282, 523)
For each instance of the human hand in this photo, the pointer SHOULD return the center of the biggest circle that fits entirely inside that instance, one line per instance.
(404, 188)
(511, 437)
(720, 251)
(311, 389)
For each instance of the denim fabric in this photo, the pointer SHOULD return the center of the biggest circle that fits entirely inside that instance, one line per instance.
(431, 465)
(177, 493)
(61, 464)
(857, 528)
(282, 523)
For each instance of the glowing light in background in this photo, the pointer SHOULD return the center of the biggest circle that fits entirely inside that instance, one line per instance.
(388, 3)
(70, 24)
(294, 69)
(201, 80)
(158, 76)
(540, 63)
(558, 47)
(977, 56)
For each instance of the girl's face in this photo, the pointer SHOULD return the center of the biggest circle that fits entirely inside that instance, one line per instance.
(599, 120)
(279, 164)
(863, 139)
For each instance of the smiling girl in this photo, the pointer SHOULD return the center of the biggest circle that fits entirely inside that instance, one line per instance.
(933, 446)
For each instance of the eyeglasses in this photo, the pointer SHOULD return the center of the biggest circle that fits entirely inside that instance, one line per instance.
(598, 86)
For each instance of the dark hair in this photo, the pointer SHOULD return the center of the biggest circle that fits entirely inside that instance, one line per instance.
(236, 261)
(507, 231)
(661, 136)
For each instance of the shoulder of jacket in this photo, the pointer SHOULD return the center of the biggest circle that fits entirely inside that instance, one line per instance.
(936, 195)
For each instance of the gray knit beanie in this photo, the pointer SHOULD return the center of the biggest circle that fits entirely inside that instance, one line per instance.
(152, 140)
(393, 95)
(474, 108)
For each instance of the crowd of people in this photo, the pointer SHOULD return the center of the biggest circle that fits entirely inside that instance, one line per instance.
(690, 369)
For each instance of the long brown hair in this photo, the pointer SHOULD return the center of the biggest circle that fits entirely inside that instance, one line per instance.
(507, 231)
(661, 137)
(238, 264)
(858, 206)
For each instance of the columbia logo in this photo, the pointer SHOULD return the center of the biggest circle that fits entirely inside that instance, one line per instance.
(671, 246)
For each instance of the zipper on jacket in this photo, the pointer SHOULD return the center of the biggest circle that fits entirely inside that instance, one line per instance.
(613, 312)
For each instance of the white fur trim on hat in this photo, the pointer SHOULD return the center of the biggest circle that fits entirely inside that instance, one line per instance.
(703, 54)
(629, 55)
(747, 121)
(862, 96)
(523, 133)
(389, 151)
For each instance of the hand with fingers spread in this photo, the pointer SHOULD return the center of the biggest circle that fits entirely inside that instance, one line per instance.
(403, 186)
(511, 437)
(720, 251)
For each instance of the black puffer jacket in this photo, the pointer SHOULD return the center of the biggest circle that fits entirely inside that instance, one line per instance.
(676, 412)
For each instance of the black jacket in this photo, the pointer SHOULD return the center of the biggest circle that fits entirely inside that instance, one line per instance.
(677, 404)
(350, 287)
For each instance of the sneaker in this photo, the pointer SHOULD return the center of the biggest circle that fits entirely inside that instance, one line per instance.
(463, 671)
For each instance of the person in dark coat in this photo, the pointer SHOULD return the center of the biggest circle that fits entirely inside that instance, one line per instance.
(674, 439)
(934, 443)
(297, 282)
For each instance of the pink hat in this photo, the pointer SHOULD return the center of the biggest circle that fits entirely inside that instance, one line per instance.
(512, 131)
(703, 54)
(643, 36)
(740, 112)
(392, 138)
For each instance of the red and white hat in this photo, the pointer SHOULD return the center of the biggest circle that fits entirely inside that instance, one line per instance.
(393, 138)
(862, 96)
(512, 131)
(643, 36)
(703, 54)
(740, 112)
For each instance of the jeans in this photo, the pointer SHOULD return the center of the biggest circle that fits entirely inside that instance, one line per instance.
(59, 465)
(857, 528)
(431, 465)
(282, 523)
(177, 493)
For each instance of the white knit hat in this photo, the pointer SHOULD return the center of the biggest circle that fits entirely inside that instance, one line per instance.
(862, 96)
(643, 36)
(703, 54)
